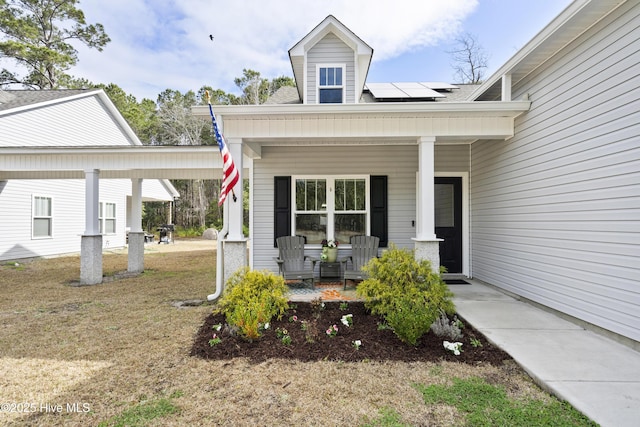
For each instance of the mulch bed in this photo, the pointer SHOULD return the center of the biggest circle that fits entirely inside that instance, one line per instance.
(314, 344)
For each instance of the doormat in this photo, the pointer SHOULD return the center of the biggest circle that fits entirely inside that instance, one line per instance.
(456, 282)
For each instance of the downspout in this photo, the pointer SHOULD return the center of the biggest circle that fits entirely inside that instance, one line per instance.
(219, 257)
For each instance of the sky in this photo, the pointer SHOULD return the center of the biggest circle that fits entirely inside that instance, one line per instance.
(164, 44)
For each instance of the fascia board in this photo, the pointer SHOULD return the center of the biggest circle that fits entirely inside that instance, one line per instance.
(116, 149)
(488, 107)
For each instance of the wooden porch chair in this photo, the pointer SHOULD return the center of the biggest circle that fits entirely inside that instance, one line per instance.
(363, 249)
(292, 260)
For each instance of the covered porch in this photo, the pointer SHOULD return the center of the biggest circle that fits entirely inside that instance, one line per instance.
(91, 164)
(360, 139)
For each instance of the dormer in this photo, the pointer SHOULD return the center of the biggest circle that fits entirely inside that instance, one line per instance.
(330, 64)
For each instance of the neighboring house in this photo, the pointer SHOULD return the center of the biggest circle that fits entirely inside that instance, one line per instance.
(532, 179)
(44, 217)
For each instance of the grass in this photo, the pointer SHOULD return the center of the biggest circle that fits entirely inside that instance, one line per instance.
(143, 413)
(483, 404)
(121, 350)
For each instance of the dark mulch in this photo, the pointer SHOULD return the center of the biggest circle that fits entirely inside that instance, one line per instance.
(377, 344)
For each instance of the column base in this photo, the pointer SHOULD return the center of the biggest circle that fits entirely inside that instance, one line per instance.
(234, 256)
(91, 260)
(135, 252)
(429, 250)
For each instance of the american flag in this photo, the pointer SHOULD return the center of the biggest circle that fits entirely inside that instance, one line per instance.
(230, 174)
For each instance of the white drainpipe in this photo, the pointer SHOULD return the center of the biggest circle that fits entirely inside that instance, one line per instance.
(220, 258)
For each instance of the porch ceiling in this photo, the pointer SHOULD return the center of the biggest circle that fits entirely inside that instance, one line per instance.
(146, 162)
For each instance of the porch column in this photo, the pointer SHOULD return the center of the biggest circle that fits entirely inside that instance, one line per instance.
(136, 235)
(91, 240)
(427, 246)
(506, 87)
(235, 245)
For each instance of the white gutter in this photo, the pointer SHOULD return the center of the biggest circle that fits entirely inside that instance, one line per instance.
(222, 234)
(488, 108)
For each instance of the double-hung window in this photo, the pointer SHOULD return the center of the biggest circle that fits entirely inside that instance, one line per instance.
(107, 218)
(331, 207)
(42, 217)
(330, 84)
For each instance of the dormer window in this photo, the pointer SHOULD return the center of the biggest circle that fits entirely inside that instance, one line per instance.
(331, 84)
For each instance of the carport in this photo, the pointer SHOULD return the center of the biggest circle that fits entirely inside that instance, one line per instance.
(134, 162)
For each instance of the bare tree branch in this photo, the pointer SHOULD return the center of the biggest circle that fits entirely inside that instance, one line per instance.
(469, 61)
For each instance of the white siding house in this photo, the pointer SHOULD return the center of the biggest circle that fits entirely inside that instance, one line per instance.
(529, 181)
(44, 217)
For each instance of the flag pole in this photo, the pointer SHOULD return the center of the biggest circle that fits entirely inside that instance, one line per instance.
(213, 122)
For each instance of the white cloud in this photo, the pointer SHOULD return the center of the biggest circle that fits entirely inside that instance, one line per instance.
(163, 44)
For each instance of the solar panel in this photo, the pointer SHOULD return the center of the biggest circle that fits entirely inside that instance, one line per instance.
(407, 90)
(418, 90)
(385, 90)
(439, 85)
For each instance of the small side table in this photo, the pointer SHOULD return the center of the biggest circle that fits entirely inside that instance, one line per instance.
(330, 269)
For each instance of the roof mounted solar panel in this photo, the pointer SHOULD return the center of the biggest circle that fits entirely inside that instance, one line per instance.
(405, 90)
(386, 90)
(418, 90)
(439, 85)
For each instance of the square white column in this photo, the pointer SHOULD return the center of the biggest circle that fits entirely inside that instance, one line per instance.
(427, 245)
(425, 221)
(91, 240)
(236, 211)
(92, 202)
(136, 205)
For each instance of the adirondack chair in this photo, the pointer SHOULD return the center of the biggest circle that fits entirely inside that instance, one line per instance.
(291, 259)
(363, 248)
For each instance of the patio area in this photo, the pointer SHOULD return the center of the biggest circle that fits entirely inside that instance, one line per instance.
(326, 290)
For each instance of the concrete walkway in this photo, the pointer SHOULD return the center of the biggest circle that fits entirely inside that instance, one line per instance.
(598, 376)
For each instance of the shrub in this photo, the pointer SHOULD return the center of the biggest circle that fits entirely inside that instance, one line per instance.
(443, 327)
(251, 299)
(406, 292)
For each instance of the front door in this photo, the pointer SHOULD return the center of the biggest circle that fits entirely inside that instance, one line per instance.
(448, 220)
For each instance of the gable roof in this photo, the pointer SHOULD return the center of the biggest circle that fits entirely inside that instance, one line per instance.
(10, 99)
(362, 51)
(21, 101)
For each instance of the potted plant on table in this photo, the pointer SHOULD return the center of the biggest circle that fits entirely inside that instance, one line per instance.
(329, 250)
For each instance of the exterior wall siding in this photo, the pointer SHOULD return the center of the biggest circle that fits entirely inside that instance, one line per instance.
(556, 209)
(399, 163)
(330, 50)
(68, 216)
(41, 126)
(452, 158)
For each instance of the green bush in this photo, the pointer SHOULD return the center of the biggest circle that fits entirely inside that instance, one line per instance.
(251, 299)
(188, 232)
(406, 292)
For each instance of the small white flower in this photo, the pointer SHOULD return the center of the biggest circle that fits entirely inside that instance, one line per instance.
(347, 319)
(455, 347)
(266, 325)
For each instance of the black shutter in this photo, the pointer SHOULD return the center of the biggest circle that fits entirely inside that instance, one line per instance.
(282, 207)
(378, 196)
